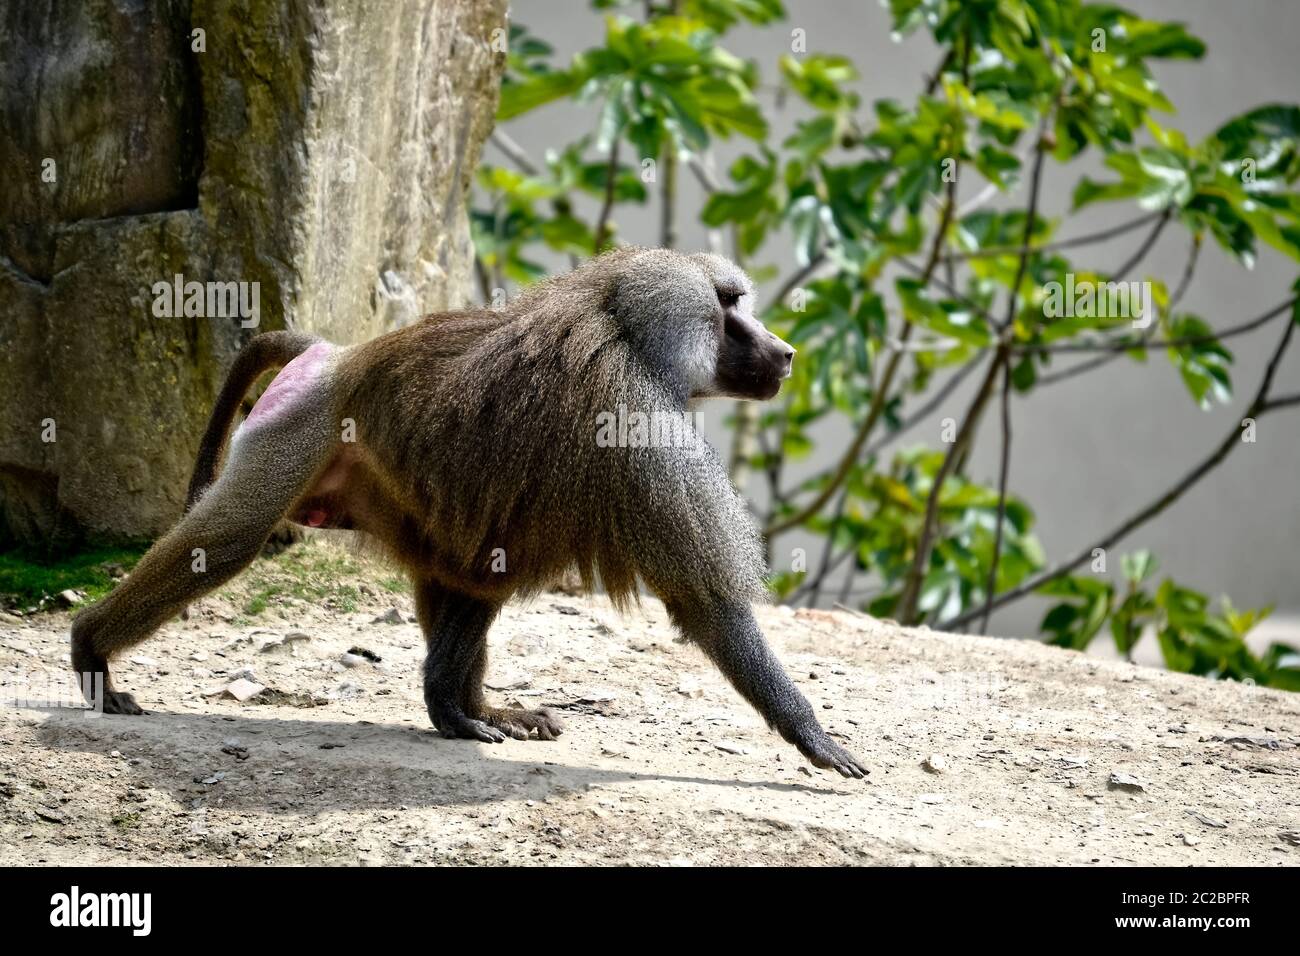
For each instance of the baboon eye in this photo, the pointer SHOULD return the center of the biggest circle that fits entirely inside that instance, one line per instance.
(728, 299)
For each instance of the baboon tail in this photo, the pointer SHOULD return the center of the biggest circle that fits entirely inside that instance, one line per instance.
(262, 352)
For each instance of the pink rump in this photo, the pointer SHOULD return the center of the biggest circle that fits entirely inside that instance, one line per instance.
(294, 379)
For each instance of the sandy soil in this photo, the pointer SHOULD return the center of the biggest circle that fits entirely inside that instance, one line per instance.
(982, 751)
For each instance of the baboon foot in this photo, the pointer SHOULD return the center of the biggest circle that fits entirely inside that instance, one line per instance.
(120, 702)
(96, 682)
(98, 690)
(494, 724)
(453, 723)
(823, 752)
(519, 722)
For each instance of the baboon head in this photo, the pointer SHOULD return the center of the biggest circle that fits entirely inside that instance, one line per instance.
(691, 320)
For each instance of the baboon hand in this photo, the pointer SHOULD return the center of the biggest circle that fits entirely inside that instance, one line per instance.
(815, 744)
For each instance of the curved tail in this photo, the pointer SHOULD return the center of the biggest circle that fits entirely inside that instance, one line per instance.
(262, 352)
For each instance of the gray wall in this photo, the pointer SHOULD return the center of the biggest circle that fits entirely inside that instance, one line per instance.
(1091, 450)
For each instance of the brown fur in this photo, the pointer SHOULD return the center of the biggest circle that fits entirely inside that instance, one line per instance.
(476, 443)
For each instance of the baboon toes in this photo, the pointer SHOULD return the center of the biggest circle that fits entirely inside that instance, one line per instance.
(496, 724)
(520, 723)
(96, 684)
(120, 702)
(453, 723)
(468, 728)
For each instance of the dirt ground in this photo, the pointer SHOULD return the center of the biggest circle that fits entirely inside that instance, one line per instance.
(982, 751)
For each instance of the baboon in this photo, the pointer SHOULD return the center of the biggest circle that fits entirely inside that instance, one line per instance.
(465, 446)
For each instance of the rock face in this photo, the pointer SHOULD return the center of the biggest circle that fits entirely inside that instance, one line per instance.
(313, 153)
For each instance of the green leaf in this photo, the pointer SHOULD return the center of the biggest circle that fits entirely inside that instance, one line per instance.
(945, 318)
(1204, 364)
(1138, 566)
(1251, 133)
(820, 78)
(520, 97)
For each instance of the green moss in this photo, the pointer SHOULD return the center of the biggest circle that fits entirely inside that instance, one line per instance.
(28, 580)
(303, 573)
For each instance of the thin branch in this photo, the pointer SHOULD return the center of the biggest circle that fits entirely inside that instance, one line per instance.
(611, 174)
(1132, 262)
(915, 578)
(519, 156)
(990, 190)
(813, 586)
(1129, 345)
(850, 458)
(1184, 283)
(1282, 402)
(1193, 257)
(1080, 369)
(484, 282)
(933, 83)
(840, 561)
(498, 277)
(849, 576)
(953, 293)
(704, 175)
(708, 182)
(1003, 469)
(1031, 215)
(881, 391)
(668, 225)
(918, 416)
(514, 152)
(800, 277)
(744, 435)
(905, 611)
(1104, 234)
(1258, 406)
(772, 469)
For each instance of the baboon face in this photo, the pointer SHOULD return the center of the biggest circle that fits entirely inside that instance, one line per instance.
(752, 362)
(694, 317)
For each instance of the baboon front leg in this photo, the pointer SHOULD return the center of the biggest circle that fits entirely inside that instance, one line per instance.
(216, 539)
(455, 627)
(727, 632)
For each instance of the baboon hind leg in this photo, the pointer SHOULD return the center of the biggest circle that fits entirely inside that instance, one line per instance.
(455, 627)
(215, 540)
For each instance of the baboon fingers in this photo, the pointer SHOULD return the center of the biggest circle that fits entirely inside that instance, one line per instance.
(825, 753)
